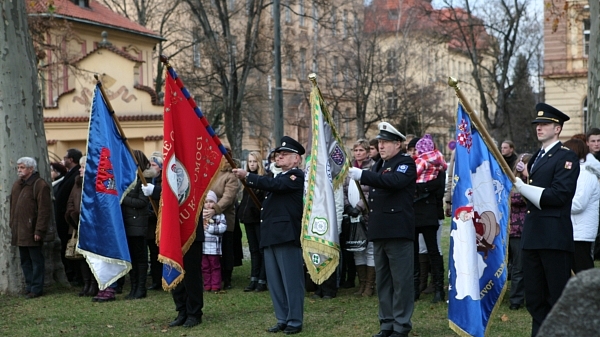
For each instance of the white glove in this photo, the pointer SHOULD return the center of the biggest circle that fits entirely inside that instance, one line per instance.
(518, 184)
(148, 189)
(355, 173)
(532, 193)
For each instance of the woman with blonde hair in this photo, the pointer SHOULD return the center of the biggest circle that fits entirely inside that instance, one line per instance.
(249, 214)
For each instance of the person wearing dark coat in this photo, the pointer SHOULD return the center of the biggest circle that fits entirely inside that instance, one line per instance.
(508, 153)
(188, 294)
(62, 191)
(249, 214)
(392, 229)
(135, 217)
(153, 190)
(30, 213)
(280, 220)
(547, 236)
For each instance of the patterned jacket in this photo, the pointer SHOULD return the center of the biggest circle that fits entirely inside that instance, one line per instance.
(213, 235)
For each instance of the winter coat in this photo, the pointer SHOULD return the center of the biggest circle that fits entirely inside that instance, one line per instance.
(152, 219)
(213, 235)
(428, 201)
(135, 211)
(29, 213)
(518, 209)
(226, 187)
(62, 191)
(365, 165)
(248, 212)
(584, 209)
(74, 206)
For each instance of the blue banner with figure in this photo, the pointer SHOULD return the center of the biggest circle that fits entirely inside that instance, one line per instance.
(110, 172)
(479, 232)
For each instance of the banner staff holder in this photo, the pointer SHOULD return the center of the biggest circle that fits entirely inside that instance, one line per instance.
(313, 79)
(453, 82)
(140, 173)
(200, 115)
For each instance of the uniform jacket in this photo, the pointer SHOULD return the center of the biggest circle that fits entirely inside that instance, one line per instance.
(74, 205)
(584, 210)
(213, 235)
(135, 211)
(391, 212)
(29, 214)
(226, 187)
(281, 215)
(551, 227)
(248, 212)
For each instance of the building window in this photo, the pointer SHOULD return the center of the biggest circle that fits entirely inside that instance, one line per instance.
(345, 24)
(288, 69)
(196, 55)
(346, 73)
(301, 12)
(302, 64)
(392, 102)
(586, 37)
(333, 21)
(393, 14)
(230, 4)
(315, 14)
(288, 12)
(315, 66)
(334, 72)
(392, 61)
(586, 116)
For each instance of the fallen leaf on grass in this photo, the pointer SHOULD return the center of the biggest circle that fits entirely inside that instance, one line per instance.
(164, 330)
(504, 318)
(110, 326)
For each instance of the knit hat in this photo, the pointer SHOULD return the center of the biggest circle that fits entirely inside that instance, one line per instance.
(211, 196)
(157, 158)
(425, 144)
(413, 142)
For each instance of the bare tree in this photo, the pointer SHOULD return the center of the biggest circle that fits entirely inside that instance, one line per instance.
(594, 65)
(24, 135)
(492, 34)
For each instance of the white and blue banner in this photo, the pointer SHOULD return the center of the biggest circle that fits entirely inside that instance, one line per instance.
(479, 232)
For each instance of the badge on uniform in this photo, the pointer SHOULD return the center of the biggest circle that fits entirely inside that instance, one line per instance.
(568, 165)
(402, 168)
(389, 169)
(293, 177)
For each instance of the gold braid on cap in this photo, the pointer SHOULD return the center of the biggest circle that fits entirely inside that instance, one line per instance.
(548, 118)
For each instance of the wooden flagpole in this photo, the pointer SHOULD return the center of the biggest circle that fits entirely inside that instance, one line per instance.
(481, 128)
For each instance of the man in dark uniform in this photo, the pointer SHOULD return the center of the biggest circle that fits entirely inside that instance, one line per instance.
(547, 238)
(392, 229)
(281, 217)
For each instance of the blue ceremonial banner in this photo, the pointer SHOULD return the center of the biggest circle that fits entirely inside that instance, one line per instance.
(110, 172)
(479, 232)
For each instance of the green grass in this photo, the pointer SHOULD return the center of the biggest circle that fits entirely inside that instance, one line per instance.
(61, 313)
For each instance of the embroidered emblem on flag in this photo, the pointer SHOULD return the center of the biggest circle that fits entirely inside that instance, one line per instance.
(337, 155)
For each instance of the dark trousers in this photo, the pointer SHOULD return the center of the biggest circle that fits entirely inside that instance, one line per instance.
(329, 287)
(137, 249)
(227, 257)
(435, 258)
(33, 266)
(582, 257)
(155, 265)
(188, 295)
(517, 285)
(546, 272)
(257, 255)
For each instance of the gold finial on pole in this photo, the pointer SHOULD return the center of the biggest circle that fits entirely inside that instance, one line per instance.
(313, 78)
(453, 82)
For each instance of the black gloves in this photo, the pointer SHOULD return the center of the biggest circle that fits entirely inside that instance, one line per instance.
(352, 211)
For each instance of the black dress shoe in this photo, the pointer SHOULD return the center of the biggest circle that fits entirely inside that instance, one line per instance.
(261, 287)
(192, 321)
(154, 286)
(277, 327)
(227, 286)
(181, 318)
(384, 333)
(290, 330)
(515, 307)
(251, 286)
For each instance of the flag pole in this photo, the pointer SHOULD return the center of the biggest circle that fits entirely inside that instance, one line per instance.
(199, 113)
(313, 79)
(453, 82)
(125, 140)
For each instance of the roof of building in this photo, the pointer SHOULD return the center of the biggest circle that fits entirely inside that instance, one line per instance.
(95, 14)
(86, 119)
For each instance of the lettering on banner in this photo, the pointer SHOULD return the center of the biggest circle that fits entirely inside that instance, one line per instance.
(486, 289)
(499, 271)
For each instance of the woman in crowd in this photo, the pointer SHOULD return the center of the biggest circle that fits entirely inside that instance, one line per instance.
(584, 209)
(249, 215)
(90, 285)
(57, 173)
(153, 190)
(518, 209)
(364, 261)
(135, 217)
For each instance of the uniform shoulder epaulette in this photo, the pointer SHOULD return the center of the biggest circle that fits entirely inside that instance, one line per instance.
(406, 154)
(565, 148)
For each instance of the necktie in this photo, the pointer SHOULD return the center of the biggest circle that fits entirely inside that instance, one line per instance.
(540, 155)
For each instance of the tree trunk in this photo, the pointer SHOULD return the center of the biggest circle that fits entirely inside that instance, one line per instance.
(22, 135)
(594, 66)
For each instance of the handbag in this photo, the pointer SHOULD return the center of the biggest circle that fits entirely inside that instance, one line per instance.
(357, 238)
(71, 252)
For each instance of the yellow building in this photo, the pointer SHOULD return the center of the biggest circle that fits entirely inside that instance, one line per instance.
(93, 40)
(566, 47)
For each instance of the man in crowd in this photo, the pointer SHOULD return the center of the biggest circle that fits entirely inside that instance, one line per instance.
(280, 222)
(508, 153)
(30, 213)
(392, 230)
(63, 190)
(374, 149)
(593, 141)
(547, 237)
